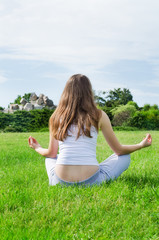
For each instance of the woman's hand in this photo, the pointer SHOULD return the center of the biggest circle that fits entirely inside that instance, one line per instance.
(147, 141)
(33, 143)
(46, 152)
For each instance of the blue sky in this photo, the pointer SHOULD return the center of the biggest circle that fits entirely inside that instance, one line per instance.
(115, 43)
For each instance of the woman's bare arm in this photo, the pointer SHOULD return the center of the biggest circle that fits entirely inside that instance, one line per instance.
(113, 142)
(50, 152)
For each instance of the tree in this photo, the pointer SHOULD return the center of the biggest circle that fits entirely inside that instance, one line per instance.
(17, 100)
(146, 107)
(27, 96)
(155, 106)
(113, 98)
(19, 97)
(99, 98)
(118, 97)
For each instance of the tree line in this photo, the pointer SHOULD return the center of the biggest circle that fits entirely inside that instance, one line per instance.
(123, 112)
(25, 121)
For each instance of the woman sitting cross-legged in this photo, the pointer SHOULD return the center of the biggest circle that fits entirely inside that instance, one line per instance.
(74, 128)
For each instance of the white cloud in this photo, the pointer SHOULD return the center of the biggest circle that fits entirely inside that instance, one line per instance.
(152, 84)
(143, 97)
(141, 93)
(2, 78)
(82, 37)
(76, 33)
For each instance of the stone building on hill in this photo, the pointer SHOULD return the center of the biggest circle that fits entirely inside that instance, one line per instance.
(35, 102)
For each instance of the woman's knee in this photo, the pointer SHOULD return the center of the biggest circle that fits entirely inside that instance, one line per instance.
(128, 159)
(125, 161)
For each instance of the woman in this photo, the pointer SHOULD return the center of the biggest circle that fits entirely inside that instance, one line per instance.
(74, 127)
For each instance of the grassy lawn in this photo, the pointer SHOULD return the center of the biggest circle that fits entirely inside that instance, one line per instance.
(127, 208)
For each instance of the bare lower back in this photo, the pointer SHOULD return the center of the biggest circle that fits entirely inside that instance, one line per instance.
(75, 173)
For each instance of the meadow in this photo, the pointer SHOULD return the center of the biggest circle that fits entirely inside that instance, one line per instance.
(127, 208)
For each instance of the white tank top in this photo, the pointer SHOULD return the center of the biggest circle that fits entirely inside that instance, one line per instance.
(78, 152)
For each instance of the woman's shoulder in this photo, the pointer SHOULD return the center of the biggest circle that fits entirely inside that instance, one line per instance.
(104, 117)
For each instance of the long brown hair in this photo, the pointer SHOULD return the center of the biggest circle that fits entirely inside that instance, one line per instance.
(76, 106)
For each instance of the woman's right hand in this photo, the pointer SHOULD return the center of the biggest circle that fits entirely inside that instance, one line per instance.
(33, 143)
(147, 141)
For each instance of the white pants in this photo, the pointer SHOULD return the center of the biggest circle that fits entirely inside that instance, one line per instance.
(111, 168)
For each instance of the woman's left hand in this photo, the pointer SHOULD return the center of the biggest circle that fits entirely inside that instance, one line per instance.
(33, 143)
(147, 141)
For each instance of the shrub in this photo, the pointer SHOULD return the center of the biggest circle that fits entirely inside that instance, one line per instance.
(25, 121)
(5, 120)
(124, 108)
(146, 119)
(133, 104)
(122, 114)
(125, 128)
(46, 129)
(9, 129)
(120, 118)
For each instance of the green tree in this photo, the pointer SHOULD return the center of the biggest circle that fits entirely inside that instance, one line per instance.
(113, 98)
(99, 98)
(118, 97)
(17, 100)
(155, 106)
(19, 97)
(146, 107)
(27, 96)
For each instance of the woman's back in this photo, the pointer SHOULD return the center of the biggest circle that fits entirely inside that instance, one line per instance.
(77, 157)
(81, 151)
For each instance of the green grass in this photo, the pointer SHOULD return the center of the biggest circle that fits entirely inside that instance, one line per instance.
(127, 208)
